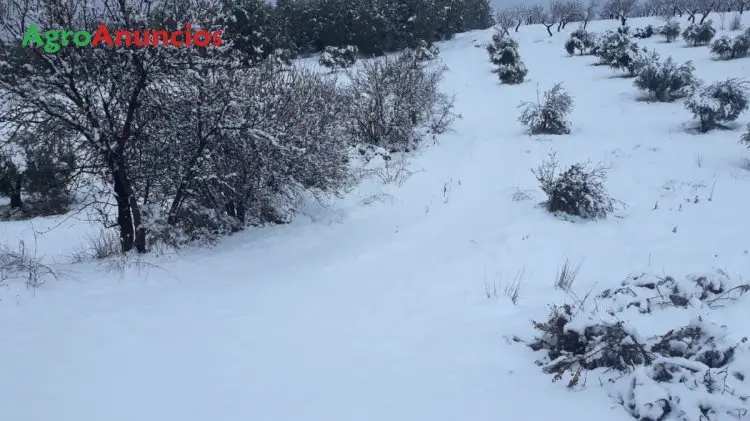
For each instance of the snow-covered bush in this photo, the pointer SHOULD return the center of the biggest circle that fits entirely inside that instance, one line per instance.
(338, 57)
(36, 176)
(670, 31)
(574, 44)
(718, 103)
(688, 372)
(731, 48)
(548, 114)
(633, 59)
(623, 30)
(646, 32)
(503, 52)
(581, 41)
(643, 58)
(588, 38)
(281, 57)
(424, 51)
(616, 50)
(392, 100)
(577, 191)
(699, 33)
(665, 81)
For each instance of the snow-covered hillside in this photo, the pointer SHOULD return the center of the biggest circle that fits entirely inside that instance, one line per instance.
(390, 305)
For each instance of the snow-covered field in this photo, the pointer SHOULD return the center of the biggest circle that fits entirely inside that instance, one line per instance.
(379, 309)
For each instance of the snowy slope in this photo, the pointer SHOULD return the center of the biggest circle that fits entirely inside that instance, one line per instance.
(380, 312)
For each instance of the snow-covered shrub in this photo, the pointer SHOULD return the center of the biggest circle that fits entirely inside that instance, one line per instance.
(588, 38)
(392, 100)
(699, 34)
(338, 57)
(548, 114)
(577, 191)
(643, 58)
(581, 41)
(670, 31)
(279, 138)
(689, 372)
(623, 30)
(632, 59)
(36, 176)
(665, 81)
(281, 57)
(718, 103)
(616, 50)
(731, 48)
(424, 51)
(572, 45)
(503, 52)
(646, 32)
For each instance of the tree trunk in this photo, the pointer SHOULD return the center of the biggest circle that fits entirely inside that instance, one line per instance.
(518, 25)
(585, 23)
(15, 195)
(705, 15)
(548, 28)
(132, 232)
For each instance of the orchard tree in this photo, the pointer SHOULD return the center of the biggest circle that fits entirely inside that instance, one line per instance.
(619, 9)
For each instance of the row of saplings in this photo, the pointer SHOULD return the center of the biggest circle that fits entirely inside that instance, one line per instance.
(579, 190)
(342, 57)
(617, 49)
(664, 80)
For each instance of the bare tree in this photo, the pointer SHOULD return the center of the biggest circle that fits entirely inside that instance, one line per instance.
(567, 11)
(98, 93)
(520, 14)
(546, 17)
(590, 12)
(619, 9)
(536, 14)
(705, 7)
(505, 19)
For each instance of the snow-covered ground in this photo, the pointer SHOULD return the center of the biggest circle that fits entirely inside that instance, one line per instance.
(380, 311)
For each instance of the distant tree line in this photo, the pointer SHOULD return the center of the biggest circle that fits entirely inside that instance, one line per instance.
(373, 26)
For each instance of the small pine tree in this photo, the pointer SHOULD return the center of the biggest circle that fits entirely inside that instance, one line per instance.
(424, 51)
(665, 81)
(339, 57)
(41, 172)
(630, 59)
(718, 103)
(670, 31)
(578, 191)
(616, 50)
(503, 52)
(699, 34)
(646, 32)
(548, 115)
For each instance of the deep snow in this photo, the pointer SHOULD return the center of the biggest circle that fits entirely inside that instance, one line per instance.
(379, 312)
